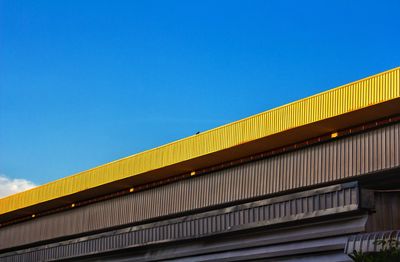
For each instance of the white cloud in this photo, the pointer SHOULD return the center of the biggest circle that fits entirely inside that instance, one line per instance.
(9, 186)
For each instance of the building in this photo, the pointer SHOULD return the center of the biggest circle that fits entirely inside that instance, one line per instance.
(309, 181)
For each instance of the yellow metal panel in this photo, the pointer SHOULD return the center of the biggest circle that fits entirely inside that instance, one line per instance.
(344, 99)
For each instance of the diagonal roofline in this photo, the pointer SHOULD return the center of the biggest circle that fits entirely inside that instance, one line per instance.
(358, 102)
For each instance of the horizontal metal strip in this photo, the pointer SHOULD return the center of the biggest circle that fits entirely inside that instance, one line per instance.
(352, 156)
(298, 249)
(240, 241)
(294, 207)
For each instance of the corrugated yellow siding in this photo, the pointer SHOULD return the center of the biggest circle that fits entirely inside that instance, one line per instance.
(357, 95)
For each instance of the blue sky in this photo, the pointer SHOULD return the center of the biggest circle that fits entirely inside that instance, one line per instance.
(83, 83)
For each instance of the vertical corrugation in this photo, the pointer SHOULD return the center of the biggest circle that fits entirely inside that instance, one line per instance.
(255, 214)
(344, 99)
(343, 158)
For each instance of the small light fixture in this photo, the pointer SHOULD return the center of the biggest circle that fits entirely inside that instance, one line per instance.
(33, 215)
(72, 205)
(193, 173)
(333, 135)
(131, 190)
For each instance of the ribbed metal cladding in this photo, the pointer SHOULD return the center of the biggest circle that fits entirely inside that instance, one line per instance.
(309, 204)
(372, 242)
(343, 158)
(336, 102)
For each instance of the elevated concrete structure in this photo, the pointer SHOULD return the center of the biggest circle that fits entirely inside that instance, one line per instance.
(328, 164)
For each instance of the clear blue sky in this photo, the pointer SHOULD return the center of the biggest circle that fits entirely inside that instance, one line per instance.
(87, 82)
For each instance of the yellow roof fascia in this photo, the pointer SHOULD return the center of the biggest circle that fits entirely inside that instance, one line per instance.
(351, 97)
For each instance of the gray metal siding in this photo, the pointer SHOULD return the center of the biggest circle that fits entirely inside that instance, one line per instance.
(369, 242)
(294, 207)
(343, 158)
(381, 219)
